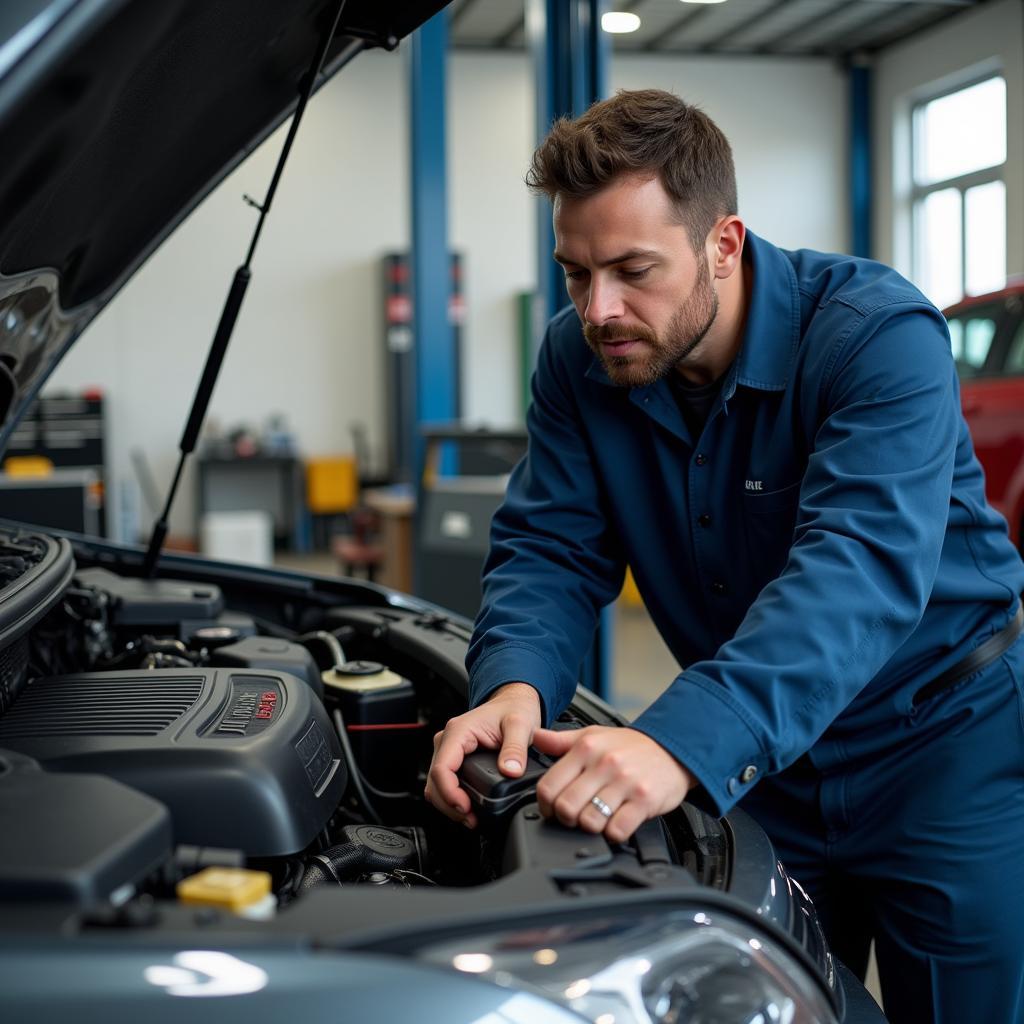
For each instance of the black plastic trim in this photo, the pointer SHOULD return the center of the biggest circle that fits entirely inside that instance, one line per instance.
(27, 599)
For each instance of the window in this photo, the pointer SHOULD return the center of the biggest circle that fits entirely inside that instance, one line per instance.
(988, 338)
(1015, 357)
(959, 197)
(972, 339)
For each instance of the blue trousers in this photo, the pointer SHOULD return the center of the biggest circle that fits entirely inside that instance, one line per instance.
(918, 843)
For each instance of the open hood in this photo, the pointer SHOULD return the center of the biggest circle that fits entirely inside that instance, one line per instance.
(117, 118)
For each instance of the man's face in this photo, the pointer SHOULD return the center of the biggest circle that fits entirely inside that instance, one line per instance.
(644, 297)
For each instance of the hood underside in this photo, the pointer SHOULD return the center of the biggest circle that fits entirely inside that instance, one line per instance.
(117, 118)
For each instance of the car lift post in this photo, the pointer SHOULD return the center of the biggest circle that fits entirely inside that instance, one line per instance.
(434, 354)
(570, 58)
(860, 158)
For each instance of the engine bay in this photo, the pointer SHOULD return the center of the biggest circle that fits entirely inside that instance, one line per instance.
(153, 730)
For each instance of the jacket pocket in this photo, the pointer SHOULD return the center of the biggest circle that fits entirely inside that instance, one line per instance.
(757, 502)
(769, 520)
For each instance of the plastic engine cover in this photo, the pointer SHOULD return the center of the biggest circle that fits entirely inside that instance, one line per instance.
(74, 838)
(243, 759)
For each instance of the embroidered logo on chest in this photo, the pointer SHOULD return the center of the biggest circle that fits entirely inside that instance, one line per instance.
(755, 485)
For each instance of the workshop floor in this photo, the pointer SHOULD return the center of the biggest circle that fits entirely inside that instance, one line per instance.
(643, 666)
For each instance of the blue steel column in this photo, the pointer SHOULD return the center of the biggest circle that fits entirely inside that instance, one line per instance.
(434, 356)
(860, 160)
(570, 55)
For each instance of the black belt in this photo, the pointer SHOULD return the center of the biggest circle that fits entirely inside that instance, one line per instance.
(978, 659)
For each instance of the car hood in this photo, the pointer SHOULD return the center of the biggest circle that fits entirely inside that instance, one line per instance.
(117, 118)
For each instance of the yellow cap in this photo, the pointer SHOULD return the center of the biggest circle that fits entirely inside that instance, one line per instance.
(228, 888)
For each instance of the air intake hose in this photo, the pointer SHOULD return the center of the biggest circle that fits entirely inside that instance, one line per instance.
(364, 848)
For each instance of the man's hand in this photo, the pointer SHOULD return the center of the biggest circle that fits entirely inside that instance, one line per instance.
(507, 720)
(628, 771)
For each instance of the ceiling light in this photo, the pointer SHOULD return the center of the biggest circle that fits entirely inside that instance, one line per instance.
(619, 21)
(472, 963)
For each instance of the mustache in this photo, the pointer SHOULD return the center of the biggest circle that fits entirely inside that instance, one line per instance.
(597, 333)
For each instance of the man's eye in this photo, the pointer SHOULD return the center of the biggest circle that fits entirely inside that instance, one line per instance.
(575, 275)
(636, 275)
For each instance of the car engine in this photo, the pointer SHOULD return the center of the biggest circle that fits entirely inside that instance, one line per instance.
(149, 731)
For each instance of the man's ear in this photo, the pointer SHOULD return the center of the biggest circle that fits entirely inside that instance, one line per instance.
(725, 246)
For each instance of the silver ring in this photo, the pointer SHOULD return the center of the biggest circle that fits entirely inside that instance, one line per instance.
(602, 806)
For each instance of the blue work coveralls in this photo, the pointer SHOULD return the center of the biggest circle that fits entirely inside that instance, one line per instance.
(813, 559)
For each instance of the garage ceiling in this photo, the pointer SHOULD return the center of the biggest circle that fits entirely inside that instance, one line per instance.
(789, 28)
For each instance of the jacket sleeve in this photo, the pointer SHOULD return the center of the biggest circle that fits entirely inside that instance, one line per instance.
(553, 561)
(874, 503)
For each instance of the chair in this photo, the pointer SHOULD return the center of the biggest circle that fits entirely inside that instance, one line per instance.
(359, 550)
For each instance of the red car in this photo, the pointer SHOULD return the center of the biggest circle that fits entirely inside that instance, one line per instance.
(988, 343)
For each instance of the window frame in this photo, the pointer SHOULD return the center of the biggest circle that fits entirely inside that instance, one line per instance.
(962, 182)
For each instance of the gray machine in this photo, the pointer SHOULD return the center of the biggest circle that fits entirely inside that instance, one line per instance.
(464, 483)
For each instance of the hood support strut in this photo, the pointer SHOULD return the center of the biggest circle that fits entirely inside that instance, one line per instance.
(232, 306)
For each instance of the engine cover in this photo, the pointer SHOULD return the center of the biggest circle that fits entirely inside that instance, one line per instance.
(243, 759)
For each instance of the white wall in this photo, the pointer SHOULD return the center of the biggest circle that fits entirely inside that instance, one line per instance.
(786, 121)
(308, 341)
(491, 220)
(990, 38)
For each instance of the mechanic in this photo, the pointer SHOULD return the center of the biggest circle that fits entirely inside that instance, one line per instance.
(773, 442)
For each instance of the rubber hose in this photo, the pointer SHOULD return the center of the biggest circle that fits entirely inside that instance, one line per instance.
(346, 861)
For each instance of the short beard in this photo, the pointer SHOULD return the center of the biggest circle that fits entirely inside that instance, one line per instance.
(685, 331)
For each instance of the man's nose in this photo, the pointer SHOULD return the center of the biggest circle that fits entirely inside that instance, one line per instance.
(604, 302)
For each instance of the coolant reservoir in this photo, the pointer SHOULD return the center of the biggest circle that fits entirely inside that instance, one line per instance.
(382, 721)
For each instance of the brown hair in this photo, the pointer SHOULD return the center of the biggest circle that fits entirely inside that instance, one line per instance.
(644, 131)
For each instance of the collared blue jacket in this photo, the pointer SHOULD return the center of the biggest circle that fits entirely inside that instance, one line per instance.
(818, 553)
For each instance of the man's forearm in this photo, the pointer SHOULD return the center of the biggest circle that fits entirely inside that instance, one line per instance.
(515, 691)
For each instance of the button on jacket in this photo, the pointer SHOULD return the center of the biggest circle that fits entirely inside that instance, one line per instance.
(813, 558)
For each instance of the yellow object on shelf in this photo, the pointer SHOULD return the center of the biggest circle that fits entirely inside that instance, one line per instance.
(233, 889)
(28, 466)
(332, 484)
(630, 595)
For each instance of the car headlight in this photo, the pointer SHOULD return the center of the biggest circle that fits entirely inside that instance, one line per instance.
(649, 967)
